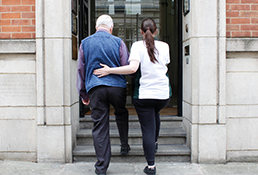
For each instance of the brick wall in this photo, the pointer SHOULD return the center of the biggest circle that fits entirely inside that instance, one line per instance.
(242, 18)
(17, 19)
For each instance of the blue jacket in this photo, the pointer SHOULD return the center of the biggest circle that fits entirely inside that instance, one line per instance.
(102, 47)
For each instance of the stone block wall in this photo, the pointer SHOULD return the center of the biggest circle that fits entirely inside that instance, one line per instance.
(242, 18)
(17, 19)
(241, 79)
(38, 99)
(242, 99)
(18, 132)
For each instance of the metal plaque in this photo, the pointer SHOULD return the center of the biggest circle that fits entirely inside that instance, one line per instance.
(186, 6)
(74, 47)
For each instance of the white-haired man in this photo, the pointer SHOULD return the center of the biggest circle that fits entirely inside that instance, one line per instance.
(99, 93)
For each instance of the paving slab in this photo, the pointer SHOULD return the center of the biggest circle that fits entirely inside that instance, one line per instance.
(78, 169)
(173, 169)
(163, 168)
(28, 168)
(230, 169)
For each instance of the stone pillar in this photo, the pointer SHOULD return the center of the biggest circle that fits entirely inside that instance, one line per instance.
(204, 76)
(57, 100)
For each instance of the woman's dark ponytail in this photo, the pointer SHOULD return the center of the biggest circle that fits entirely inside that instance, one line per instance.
(149, 27)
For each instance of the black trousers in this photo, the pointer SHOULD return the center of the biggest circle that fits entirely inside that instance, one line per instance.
(100, 99)
(148, 113)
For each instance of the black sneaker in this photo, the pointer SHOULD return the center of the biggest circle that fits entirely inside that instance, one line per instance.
(125, 150)
(149, 171)
(156, 147)
(99, 173)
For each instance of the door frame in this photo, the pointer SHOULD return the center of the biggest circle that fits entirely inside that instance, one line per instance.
(180, 59)
(91, 24)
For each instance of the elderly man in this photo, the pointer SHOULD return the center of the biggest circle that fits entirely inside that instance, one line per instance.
(99, 93)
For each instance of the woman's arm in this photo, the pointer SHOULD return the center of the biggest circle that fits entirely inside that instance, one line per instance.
(124, 70)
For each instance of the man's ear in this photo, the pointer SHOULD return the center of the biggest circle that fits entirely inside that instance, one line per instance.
(111, 30)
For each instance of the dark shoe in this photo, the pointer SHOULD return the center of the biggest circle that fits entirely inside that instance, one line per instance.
(149, 171)
(99, 173)
(156, 147)
(125, 150)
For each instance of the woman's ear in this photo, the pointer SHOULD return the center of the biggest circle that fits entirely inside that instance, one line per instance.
(141, 32)
(155, 32)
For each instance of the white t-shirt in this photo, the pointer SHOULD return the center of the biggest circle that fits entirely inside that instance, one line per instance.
(154, 84)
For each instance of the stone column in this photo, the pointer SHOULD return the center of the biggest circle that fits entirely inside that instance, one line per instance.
(57, 100)
(204, 76)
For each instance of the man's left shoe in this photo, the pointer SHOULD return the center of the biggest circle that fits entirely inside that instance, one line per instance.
(99, 173)
(125, 150)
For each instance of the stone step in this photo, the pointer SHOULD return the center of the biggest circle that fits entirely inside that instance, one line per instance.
(175, 136)
(166, 153)
(166, 122)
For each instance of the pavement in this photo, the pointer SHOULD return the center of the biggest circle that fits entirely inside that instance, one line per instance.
(87, 168)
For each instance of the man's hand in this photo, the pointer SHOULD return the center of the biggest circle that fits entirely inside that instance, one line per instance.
(101, 72)
(86, 102)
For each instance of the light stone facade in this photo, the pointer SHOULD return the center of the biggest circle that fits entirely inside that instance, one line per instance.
(57, 98)
(18, 131)
(242, 99)
(204, 81)
(220, 97)
(39, 103)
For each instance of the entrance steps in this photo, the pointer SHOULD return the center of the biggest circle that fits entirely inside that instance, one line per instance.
(172, 141)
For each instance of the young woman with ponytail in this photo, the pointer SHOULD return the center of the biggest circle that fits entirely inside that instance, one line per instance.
(151, 92)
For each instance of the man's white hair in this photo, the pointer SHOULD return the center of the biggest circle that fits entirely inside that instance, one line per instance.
(104, 20)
